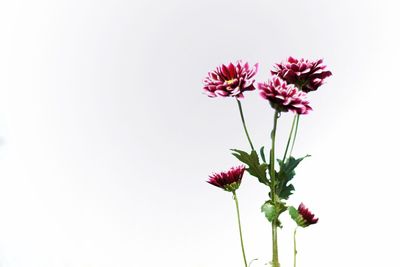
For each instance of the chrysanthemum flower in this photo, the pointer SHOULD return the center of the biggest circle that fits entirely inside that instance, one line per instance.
(231, 80)
(309, 75)
(302, 216)
(283, 96)
(229, 180)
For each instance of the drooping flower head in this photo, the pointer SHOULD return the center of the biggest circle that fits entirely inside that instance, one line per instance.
(283, 96)
(305, 74)
(230, 80)
(302, 216)
(229, 180)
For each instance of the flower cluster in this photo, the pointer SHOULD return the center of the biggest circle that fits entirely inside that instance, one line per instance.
(229, 180)
(306, 74)
(283, 96)
(302, 216)
(231, 80)
(285, 91)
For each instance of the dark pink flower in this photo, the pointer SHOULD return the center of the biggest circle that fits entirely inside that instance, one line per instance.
(308, 75)
(283, 96)
(231, 80)
(229, 180)
(302, 216)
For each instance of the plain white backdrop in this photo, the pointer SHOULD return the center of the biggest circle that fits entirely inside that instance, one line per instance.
(107, 139)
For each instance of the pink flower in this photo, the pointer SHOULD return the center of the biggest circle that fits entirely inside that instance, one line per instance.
(302, 216)
(231, 80)
(229, 180)
(283, 96)
(308, 75)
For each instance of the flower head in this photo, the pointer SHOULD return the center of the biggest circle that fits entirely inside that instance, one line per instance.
(283, 96)
(302, 216)
(306, 74)
(229, 180)
(230, 80)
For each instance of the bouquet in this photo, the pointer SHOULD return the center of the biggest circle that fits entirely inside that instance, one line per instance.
(286, 90)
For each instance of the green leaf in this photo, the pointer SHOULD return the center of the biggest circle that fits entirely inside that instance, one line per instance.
(285, 175)
(272, 212)
(286, 191)
(262, 154)
(296, 216)
(293, 213)
(254, 167)
(269, 211)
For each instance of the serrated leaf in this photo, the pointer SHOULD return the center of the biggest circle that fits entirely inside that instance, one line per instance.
(254, 167)
(286, 192)
(285, 175)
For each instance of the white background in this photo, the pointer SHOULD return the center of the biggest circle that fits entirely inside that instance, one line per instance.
(107, 139)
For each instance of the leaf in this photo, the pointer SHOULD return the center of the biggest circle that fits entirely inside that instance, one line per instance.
(297, 217)
(273, 211)
(262, 154)
(293, 213)
(254, 167)
(269, 211)
(285, 175)
(286, 192)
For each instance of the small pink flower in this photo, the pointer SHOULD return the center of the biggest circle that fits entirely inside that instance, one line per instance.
(283, 96)
(231, 80)
(302, 216)
(309, 75)
(308, 217)
(229, 180)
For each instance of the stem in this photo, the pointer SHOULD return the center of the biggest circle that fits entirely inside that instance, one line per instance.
(297, 118)
(272, 157)
(275, 258)
(244, 124)
(295, 247)
(240, 227)
(290, 138)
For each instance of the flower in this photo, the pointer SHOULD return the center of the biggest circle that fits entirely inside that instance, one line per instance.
(307, 75)
(231, 80)
(229, 180)
(283, 96)
(302, 216)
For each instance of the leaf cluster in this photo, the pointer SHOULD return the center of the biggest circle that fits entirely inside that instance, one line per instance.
(283, 186)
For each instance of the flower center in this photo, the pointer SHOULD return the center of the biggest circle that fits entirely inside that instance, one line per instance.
(230, 82)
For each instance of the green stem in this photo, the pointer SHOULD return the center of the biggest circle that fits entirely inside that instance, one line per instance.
(297, 118)
(290, 138)
(275, 258)
(294, 245)
(272, 157)
(244, 124)
(240, 227)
